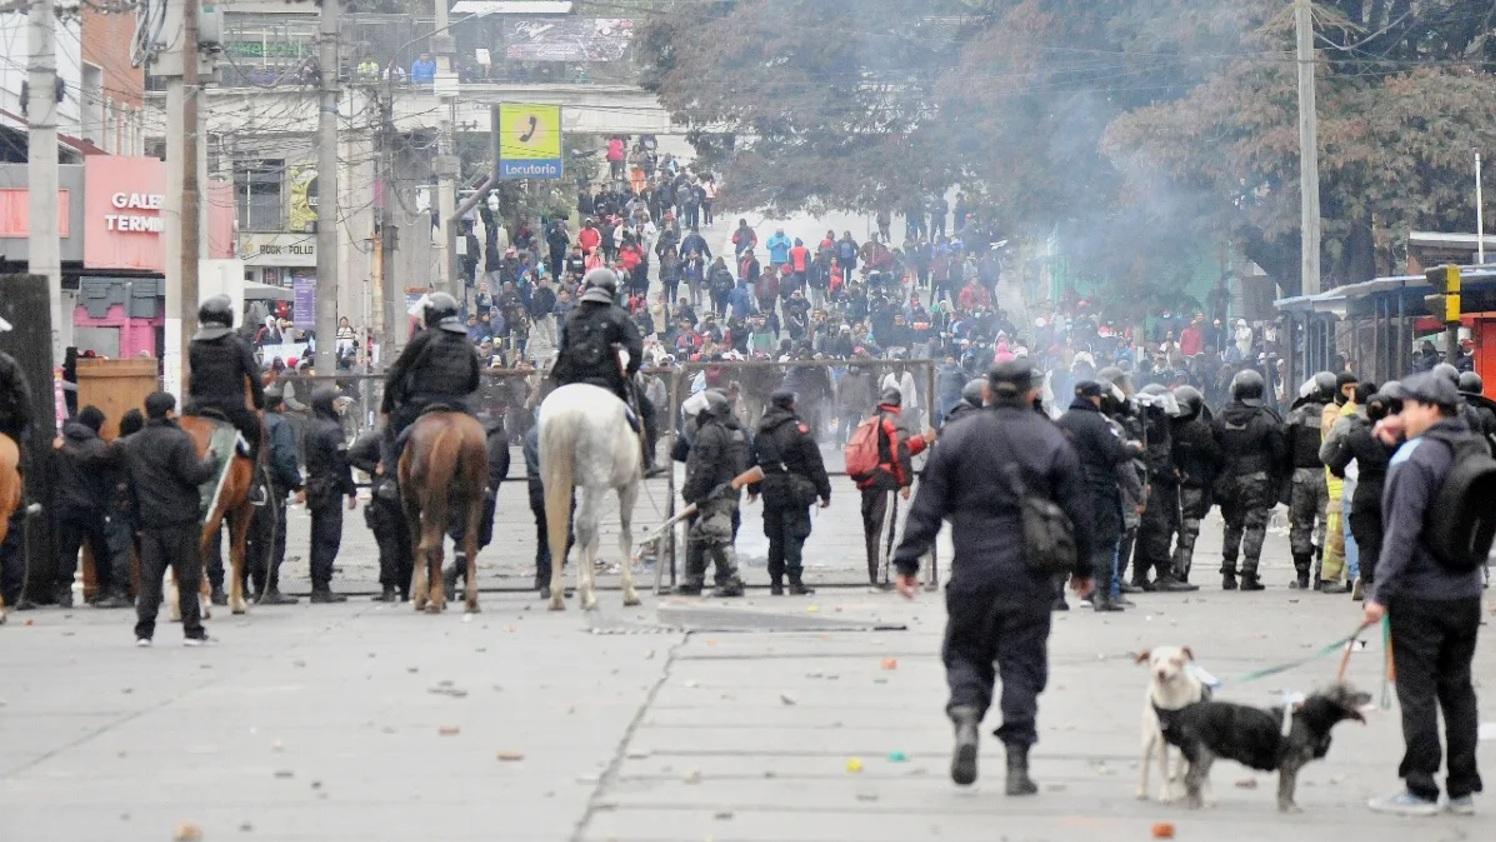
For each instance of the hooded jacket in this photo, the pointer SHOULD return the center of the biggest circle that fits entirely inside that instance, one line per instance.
(328, 473)
(83, 471)
(165, 473)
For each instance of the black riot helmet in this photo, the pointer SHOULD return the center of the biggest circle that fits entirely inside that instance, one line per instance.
(1248, 387)
(717, 404)
(975, 392)
(215, 318)
(1190, 401)
(1324, 385)
(1471, 384)
(1448, 372)
(441, 311)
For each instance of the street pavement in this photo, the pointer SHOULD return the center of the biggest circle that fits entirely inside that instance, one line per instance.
(817, 718)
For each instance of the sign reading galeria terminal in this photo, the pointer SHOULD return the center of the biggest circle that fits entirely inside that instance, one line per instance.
(529, 141)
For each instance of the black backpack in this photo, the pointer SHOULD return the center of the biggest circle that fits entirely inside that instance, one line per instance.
(1459, 524)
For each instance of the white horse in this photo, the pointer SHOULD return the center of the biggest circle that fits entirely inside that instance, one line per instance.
(586, 443)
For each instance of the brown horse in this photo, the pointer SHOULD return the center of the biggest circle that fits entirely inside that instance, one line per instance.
(231, 503)
(445, 462)
(10, 492)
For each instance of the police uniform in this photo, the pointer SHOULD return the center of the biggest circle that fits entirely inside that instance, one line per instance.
(497, 443)
(329, 480)
(719, 452)
(385, 518)
(1198, 459)
(794, 477)
(587, 340)
(1100, 450)
(999, 608)
(267, 531)
(1250, 437)
(219, 364)
(1309, 498)
(439, 367)
(82, 489)
(1161, 516)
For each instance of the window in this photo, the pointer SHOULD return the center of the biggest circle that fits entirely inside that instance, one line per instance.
(259, 194)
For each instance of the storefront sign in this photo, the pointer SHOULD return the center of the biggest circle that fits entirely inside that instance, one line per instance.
(278, 249)
(122, 200)
(304, 300)
(529, 141)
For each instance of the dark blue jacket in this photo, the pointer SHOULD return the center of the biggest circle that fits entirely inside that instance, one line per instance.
(964, 482)
(1406, 567)
(282, 453)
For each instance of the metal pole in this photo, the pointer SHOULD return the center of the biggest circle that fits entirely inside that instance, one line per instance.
(327, 190)
(1303, 14)
(44, 256)
(447, 164)
(190, 221)
(1480, 216)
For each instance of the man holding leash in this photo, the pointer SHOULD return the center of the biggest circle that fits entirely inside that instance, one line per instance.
(998, 598)
(1433, 605)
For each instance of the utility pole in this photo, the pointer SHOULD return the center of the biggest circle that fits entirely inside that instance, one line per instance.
(446, 164)
(183, 210)
(390, 316)
(191, 221)
(44, 252)
(327, 191)
(1480, 216)
(1303, 15)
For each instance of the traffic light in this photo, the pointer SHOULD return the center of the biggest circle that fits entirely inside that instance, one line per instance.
(1444, 304)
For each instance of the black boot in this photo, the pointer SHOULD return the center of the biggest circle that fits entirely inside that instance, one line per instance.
(218, 597)
(323, 595)
(115, 597)
(1228, 580)
(730, 588)
(388, 594)
(1103, 602)
(1171, 584)
(688, 587)
(273, 596)
(776, 587)
(964, 758)
(63, 595)
(1250, 582)
(797, 587)
(1301, 562)
(457, 571)
(1018, 776)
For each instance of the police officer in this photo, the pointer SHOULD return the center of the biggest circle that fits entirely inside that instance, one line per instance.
(794, 478)
(1100, 449)
(497, 443)
(329, 479)
(219, 364)
(439, 367)
(165, 474)
(531, 452)
(587, 355)
(998, 606)
(268, 529)
(1309, 497)
(82, 490)
(1472, 390)
(971, 399)
(1131, 476)
(122, 529)
(1250, 436)
(1199, 461)
(719, 452)
(1161, 516)
(385, 517)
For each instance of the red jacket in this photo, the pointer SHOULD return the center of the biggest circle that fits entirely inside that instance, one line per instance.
(589, 238)
(895, 447)
(800, 258)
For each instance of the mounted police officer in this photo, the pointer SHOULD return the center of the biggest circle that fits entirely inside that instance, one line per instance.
(221, 366)
(1198, 459)
(1250, 437)
(794, 477)
(438, 368)
(1309, 497)
(719, 452)
(590, 340)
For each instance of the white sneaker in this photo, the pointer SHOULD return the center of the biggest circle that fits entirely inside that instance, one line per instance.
(1404, 804)
(199, 641)
(1462, 806)
(142, 643)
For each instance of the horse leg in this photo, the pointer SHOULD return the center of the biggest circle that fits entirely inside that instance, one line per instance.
(172, 596)
(239, 520)
(419, 586)
(470, 550)
(204, 589)
(626, 497)
(587, 540)
(432, 540)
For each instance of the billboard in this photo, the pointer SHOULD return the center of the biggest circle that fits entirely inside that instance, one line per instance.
(529, 141)
(567, 39)
(302, 216)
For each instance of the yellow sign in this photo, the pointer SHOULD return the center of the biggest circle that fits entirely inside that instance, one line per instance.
(529, 141)
(303, 199)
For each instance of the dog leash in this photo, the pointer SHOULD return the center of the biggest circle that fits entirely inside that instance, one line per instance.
(1323, 651)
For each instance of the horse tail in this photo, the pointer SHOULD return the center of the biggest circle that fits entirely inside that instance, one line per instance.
(556, 456)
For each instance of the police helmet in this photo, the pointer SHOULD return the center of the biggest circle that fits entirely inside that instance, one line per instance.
(601, 286)
(975, 392)
(1116, 377)
(717, 404)
(1323, 385)
(215, 318)
(441, 311)
(1471, 384)
(1190, 400)
(1248, 386)
(1448, 372)
(1157, 397)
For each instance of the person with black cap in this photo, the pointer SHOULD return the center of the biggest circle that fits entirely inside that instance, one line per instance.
(1101, 449)
(220, 367)
(267, 532)
(794, 477)
(999, 606)
(439, 367)
(1433, 606)
(329, 480)
(165, 473)
(82, 489)
(893, 474)
(1250, 436)
(718, 453)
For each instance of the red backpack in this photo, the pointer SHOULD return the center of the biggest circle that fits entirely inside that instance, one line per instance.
(861, 452)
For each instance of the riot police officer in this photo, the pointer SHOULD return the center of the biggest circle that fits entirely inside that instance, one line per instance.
(794, 477)
(1483, 418)
(329, 480)
(1250, 437)
(385, 518)
(268, 529)
(219, 364)
(438, 368)
(971, 399)
(719, 452)
(496, 442)
(1161, 515)
(1309, 498)
(1198, 459)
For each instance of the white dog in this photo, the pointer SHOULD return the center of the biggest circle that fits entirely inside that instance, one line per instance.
(1172, 685)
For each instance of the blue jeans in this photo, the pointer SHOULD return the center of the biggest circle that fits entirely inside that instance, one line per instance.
(1352, 551)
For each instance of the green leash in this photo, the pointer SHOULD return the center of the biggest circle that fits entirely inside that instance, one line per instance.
(1324, 651)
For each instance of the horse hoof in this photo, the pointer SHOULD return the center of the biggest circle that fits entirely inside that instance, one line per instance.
(240, 609)
(589, 604)
(419, 604)
(631, 601)
(557, 605)
(473, 609)
(433, 609)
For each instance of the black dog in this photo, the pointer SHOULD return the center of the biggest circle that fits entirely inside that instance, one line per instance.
(1255, 737)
